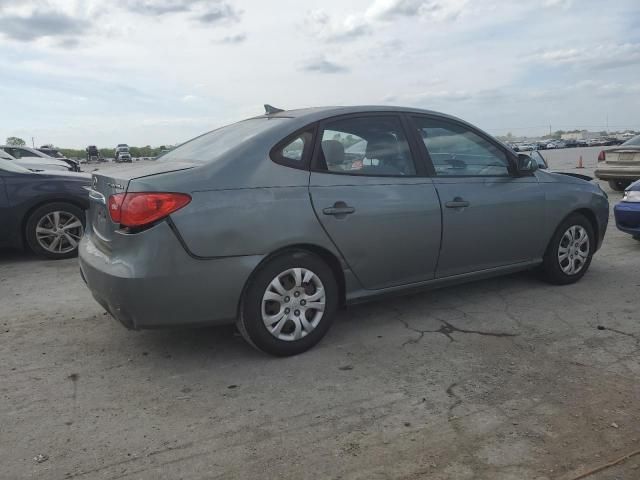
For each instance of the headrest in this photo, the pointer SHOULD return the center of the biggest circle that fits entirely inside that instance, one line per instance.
(382, 146)
(333, 152)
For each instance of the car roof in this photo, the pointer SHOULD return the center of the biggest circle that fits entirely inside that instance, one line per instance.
(318, 113)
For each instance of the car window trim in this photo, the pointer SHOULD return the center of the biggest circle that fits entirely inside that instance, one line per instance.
(415, 158)
(305, 161)
(412, 117)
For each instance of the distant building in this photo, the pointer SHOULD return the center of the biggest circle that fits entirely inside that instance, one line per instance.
(583, 135)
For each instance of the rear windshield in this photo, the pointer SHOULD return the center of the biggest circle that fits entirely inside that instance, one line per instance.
(210, 146)
(634, 141)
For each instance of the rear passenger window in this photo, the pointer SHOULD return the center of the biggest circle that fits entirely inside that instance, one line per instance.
(370, 145)
(457, 151)
(292, 151)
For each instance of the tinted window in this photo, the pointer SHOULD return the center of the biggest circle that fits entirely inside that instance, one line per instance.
(457, 151)
(25, 153)
(366, 146)
(211, 146)
(14, 152)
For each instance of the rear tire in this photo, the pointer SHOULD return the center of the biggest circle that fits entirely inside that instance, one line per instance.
(619, 185)
(570, 251)
(54, 230)
(289, 304)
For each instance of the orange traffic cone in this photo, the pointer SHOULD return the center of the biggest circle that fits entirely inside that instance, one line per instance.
(580, 165)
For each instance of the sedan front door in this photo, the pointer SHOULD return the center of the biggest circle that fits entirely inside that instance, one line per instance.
(490, 218)
(381, 212)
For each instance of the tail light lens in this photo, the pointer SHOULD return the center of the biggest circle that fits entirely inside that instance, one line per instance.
(601, 156)
(142, 208)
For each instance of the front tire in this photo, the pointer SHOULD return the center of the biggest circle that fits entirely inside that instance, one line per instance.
(570, 251)
(619, 185)
(289, 304)
(54, 230)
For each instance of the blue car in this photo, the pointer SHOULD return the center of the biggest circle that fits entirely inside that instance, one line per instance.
(627, 212)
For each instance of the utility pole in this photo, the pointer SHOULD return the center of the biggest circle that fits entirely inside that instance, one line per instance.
(549, 129)
(607, 123)
(33, 143)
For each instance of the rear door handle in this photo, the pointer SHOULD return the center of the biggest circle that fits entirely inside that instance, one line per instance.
(339, 209)
(457, 203)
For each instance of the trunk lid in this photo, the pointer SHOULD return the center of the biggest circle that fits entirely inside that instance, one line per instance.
(623, 156)
(114, 181)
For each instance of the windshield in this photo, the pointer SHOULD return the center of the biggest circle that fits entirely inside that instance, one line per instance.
(211, 146)
(635, 141)
(9, 166)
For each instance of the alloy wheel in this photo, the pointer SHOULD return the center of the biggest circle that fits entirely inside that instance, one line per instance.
(573, 251)
(59, 232)
(293, 304)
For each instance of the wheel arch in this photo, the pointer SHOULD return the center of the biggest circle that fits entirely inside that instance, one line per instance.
(585, 212)
(330, 258)
(591, 216)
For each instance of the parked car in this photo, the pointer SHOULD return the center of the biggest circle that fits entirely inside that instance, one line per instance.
(627, 212)
(53, 152)
(43, 211)
(621, 164)
(269, 224)
(34, 160)
(526, 147)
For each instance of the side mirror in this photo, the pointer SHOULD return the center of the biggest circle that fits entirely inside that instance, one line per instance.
(526, 164)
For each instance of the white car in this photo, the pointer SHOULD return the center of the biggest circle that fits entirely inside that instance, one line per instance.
(32, 159)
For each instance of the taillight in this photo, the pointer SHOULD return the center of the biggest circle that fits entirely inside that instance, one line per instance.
(601, 156)
(142, 208)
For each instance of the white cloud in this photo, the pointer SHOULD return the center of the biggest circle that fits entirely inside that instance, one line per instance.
(594, 56)
(439, 10)
(563, 4)
(322, 25)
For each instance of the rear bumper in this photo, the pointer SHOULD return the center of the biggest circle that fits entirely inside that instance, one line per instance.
(152, 282)
(628, 217)
(618, 173)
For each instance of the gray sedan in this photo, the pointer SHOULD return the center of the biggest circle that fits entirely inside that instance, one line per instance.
(275, 222)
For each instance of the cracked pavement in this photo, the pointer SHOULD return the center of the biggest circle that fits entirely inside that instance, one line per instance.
(505, 379)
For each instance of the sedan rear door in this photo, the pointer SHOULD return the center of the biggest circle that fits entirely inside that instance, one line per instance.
(374, 201)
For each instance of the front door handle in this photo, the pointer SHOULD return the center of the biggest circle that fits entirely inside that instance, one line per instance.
(339, 209)
(457, 203)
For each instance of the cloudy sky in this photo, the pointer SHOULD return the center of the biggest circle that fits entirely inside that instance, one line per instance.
(78, 72)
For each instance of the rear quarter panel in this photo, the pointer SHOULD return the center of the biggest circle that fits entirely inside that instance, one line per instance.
(255, 220)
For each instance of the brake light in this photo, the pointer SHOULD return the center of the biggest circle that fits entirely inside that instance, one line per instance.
(142, 208)
(601, 156)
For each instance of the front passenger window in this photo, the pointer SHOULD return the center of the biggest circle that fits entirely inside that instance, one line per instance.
(457, 151)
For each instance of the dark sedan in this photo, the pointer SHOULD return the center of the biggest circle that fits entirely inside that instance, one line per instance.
(42, 211)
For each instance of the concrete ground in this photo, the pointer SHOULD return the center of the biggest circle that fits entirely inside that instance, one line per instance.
(506, 379)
